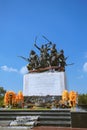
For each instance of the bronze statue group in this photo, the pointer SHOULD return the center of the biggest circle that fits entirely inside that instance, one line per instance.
(49, 58)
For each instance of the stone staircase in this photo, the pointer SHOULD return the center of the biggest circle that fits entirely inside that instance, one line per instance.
(60, 117)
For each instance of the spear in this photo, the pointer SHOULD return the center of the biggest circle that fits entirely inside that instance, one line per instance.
(26, 59)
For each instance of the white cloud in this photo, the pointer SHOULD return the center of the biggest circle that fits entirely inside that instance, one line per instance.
(8, 69)
(23, 70)
(85, 67)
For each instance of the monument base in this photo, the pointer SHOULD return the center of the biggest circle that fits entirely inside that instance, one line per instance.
(45, 83)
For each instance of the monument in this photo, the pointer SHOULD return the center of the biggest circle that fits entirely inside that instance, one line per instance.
(46, 72)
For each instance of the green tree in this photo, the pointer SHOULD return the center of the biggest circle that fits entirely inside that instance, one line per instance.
(2, 93)
(82, 99)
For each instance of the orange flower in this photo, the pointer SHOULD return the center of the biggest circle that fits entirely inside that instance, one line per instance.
(65, 95)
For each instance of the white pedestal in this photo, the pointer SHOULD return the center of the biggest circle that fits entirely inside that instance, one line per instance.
(45, 83)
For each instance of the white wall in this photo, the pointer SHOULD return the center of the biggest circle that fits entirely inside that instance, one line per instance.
(42, 84)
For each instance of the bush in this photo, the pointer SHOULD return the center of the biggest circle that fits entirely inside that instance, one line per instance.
(82, 99)
(1, 101)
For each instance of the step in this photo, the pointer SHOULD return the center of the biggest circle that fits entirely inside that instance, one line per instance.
(5, 122)
(7, 117)
(55, 123)
(40, 117)
(35, 113)
(68, 118)
(60, 117)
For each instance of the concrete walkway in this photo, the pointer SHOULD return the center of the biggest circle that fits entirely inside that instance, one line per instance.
(56, 128)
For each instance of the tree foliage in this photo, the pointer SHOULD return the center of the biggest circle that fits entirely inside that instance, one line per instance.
(82, 99)
(2, 93)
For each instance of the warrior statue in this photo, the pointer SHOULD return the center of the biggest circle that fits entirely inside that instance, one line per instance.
(44, 55)
(62, 60)
(53, 56)
(34, 60)
(49, 58)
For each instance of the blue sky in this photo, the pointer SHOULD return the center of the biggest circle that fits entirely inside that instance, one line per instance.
(64, 22)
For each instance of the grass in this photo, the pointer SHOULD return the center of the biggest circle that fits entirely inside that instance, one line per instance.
(34, 108)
